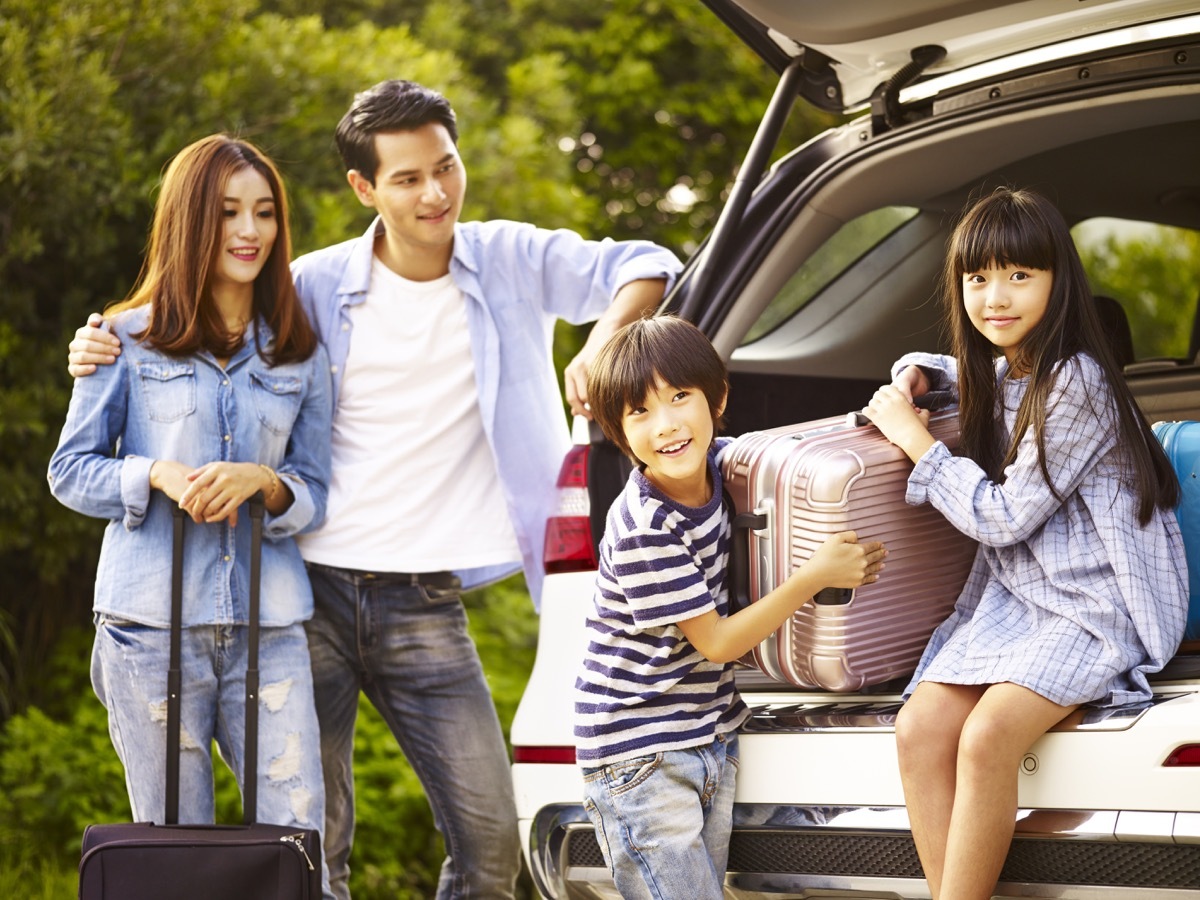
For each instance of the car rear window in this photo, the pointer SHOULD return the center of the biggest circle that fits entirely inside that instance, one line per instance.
(826, 265)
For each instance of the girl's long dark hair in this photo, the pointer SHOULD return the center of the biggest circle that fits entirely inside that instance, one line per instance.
(181, 259)
(1022, 228)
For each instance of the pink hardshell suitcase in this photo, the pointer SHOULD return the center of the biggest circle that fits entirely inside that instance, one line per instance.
(794, 486)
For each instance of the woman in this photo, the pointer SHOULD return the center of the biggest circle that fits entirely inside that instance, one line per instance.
(221, 392)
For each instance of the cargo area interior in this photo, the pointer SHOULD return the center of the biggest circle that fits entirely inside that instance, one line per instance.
(837, 348)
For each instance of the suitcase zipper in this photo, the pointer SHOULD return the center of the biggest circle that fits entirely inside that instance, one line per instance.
(296, 840)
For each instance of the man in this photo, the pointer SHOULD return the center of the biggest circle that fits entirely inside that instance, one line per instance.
(447, 438)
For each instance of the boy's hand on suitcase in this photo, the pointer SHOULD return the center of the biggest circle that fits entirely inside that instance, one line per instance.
(901, 423)
(842, 562)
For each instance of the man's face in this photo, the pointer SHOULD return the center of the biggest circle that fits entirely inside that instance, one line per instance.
(418, 189)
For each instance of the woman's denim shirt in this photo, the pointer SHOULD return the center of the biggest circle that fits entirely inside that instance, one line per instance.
(149, 406)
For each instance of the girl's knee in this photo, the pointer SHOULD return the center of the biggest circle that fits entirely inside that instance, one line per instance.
(922, 730)
(985, 743)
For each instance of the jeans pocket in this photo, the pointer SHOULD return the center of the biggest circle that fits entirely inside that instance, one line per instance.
(435, 596)
(627, 774)
(169, 389)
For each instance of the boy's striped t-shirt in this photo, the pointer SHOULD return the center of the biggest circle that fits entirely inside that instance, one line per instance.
(643, 687)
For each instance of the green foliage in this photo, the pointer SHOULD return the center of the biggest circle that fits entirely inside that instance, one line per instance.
(59, 773)
(1156, 278)
(58, 776)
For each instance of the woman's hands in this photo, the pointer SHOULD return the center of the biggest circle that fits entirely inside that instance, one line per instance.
(214, 491)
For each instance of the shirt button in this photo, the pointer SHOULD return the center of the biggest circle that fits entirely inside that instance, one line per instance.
(333, 368)
(345, 326)
(225, 382)
(228, 438)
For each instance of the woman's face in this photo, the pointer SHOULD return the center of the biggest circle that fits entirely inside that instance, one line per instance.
(248, 230)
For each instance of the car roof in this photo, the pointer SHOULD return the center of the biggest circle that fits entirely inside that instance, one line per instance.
(866, 42)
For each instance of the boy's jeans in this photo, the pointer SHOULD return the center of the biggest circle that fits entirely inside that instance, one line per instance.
(663, 821)
(407, 648)
(129, 675)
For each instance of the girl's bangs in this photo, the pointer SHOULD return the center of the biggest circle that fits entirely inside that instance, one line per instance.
(1003, 234)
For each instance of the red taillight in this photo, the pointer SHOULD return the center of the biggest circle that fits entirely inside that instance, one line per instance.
(1187, 755)
(563, 755)
(569, 546)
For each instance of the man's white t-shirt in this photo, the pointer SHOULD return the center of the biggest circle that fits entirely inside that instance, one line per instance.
(411, 461)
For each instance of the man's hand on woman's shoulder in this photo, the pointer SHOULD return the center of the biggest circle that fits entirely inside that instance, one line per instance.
(92, 346)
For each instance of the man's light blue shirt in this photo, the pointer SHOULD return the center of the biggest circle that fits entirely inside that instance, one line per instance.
(517, 280)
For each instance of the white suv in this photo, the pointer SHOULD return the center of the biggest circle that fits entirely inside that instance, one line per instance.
(819, 274)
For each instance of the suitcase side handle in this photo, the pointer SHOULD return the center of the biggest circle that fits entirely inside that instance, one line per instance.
(737, 575)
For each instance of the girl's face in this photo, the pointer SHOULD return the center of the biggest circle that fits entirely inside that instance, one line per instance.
(248, 232)
(1005, 303)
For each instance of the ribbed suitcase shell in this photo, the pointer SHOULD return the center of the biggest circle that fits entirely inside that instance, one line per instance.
(818, 478)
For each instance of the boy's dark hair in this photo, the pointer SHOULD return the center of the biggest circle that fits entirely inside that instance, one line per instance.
(393, 105)
(627, 366)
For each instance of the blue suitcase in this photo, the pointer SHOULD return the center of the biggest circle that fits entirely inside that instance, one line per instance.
(1181, 441)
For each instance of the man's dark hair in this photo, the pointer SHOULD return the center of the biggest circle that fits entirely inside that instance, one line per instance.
(393, 105)
(644, 351)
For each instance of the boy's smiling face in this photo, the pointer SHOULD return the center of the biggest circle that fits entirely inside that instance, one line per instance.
(670, 433)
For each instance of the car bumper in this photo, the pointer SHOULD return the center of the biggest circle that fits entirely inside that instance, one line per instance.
(802, 851)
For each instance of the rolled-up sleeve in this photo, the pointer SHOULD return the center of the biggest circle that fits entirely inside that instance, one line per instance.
(85, 473)
(306, 467)
(580, 276)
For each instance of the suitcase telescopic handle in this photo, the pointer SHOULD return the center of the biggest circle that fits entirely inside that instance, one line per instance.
(933, 401)
(174, 673)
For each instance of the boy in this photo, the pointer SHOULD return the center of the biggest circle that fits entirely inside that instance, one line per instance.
(656, 712)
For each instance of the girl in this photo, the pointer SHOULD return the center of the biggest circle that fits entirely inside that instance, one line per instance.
(1079, 588)
(221, 391)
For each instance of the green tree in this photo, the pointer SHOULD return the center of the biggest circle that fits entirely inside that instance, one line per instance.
(1155, 276)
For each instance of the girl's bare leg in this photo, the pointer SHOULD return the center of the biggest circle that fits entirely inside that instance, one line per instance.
(927, 735)
(1000, 729)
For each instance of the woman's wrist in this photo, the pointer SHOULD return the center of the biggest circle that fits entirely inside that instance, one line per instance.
(273, 486)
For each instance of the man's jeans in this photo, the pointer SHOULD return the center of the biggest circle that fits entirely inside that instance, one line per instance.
(406, 646)
(663, 821)
(129, 675)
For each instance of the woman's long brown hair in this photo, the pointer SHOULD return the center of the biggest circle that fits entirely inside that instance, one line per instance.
(1022, 228)
(181, 259)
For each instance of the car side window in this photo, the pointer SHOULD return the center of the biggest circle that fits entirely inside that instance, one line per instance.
(847, 245)
(1153, 272)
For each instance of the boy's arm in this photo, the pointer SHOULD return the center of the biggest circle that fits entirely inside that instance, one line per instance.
(840, 562)
(632, 301)
(91, 347)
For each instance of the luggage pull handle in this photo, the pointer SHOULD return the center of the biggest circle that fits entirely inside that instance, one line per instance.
(934, 401)
(175, 676)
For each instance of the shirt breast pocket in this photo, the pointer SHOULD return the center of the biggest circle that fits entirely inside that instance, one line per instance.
(276, 400)
(169, 389)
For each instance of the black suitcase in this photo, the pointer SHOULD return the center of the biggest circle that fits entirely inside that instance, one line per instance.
(252, 861)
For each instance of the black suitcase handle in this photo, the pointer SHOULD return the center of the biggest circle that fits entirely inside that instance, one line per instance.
(175, 676)
(934, 401)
